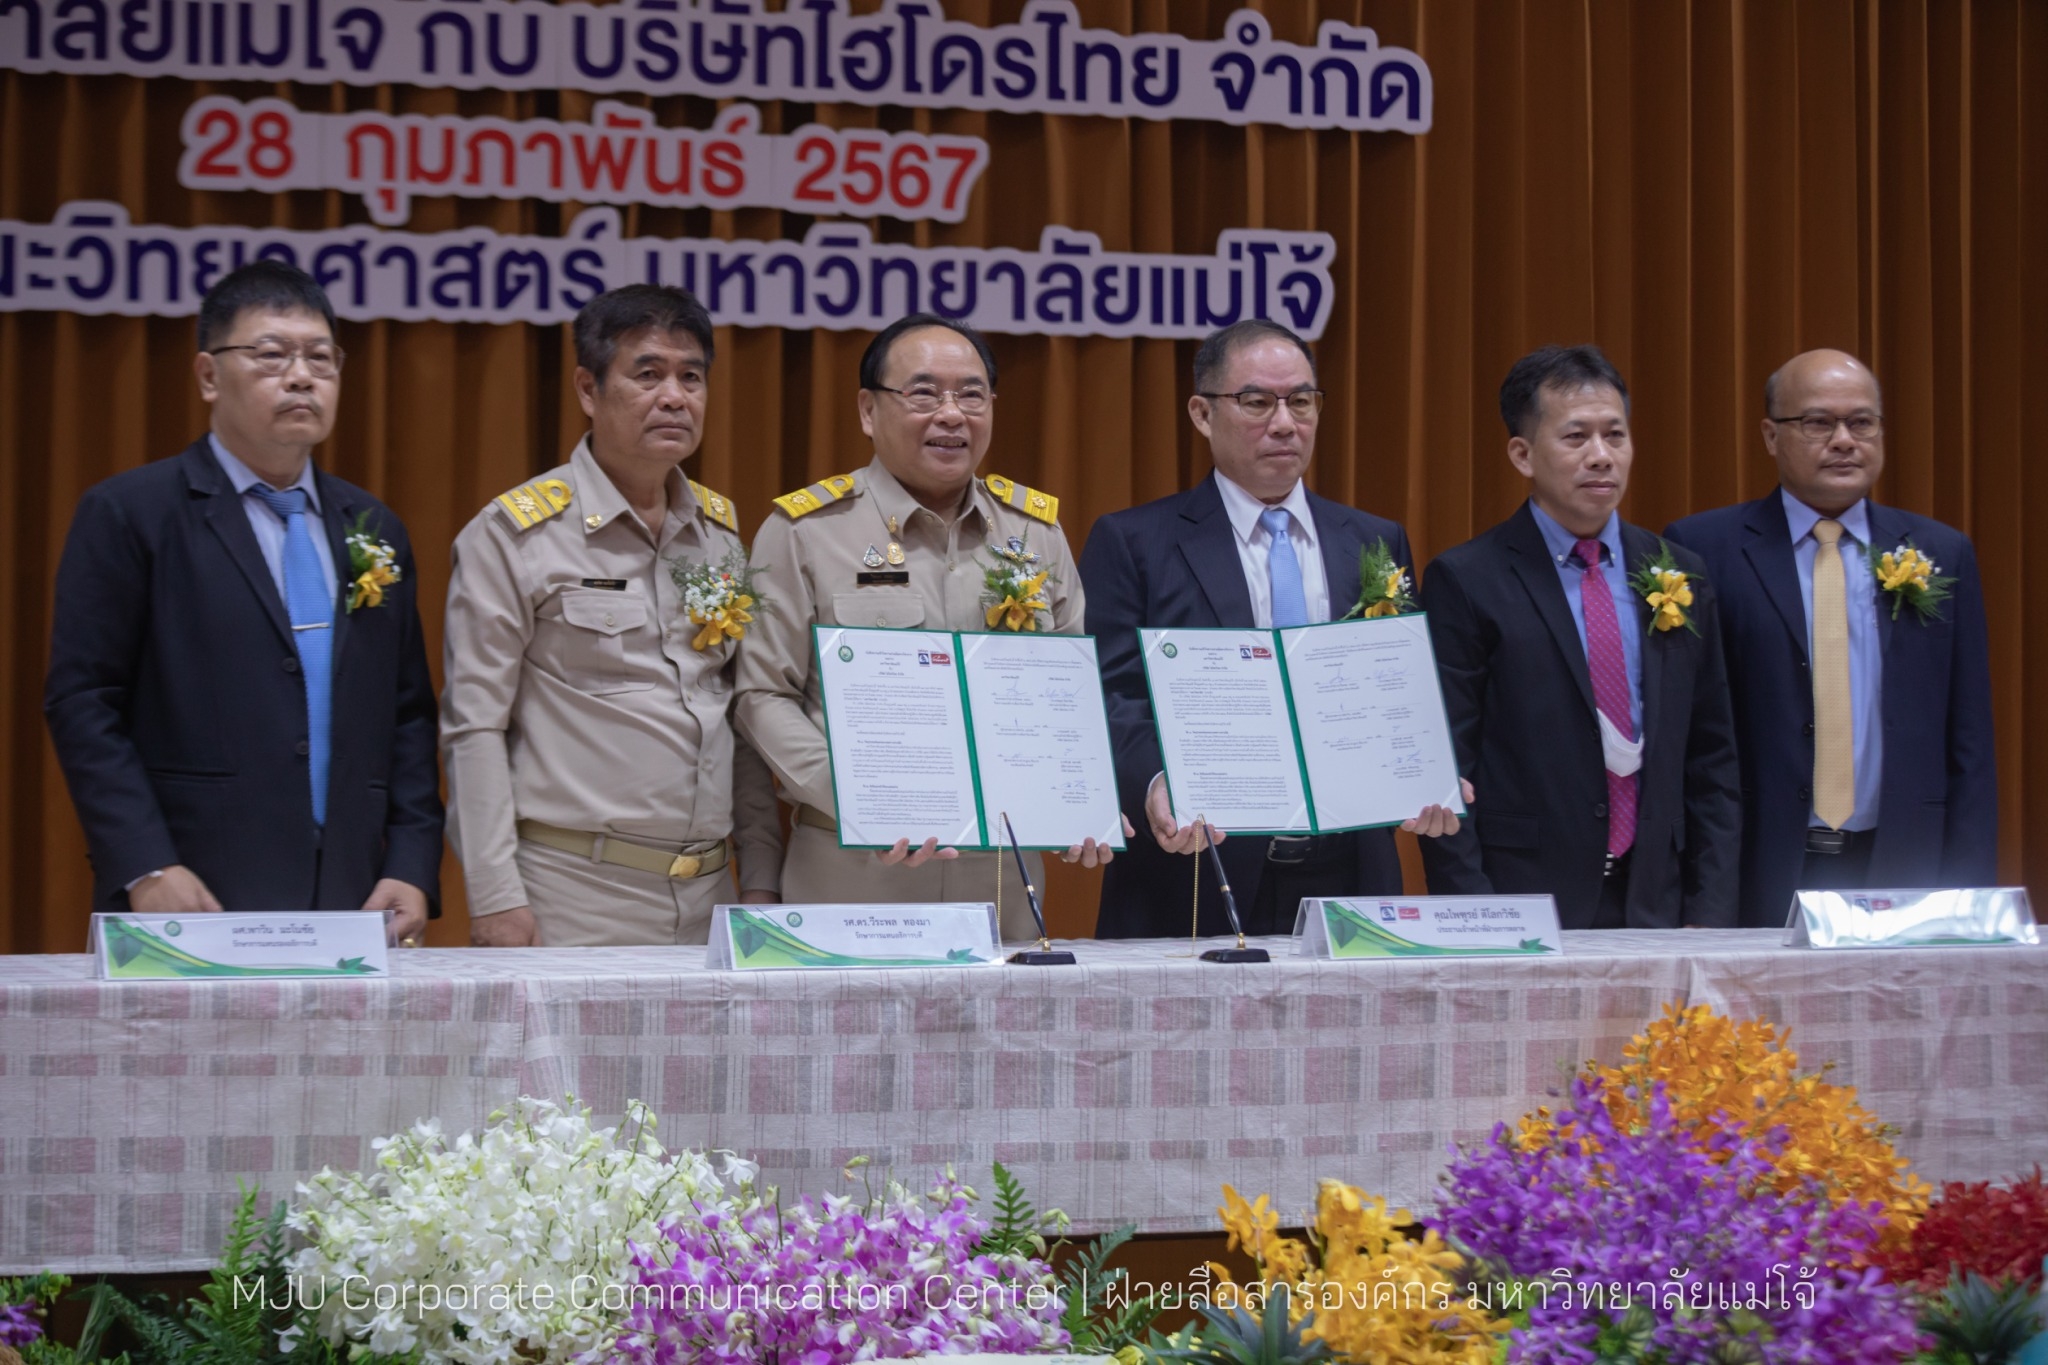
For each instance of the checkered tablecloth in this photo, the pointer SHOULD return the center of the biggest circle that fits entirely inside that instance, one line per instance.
(1130, 1089)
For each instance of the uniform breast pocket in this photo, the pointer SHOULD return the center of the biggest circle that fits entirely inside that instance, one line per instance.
(891, 609)
(591, 637)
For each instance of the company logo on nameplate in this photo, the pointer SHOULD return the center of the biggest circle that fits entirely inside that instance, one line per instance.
(1429, 926)
(852, 937)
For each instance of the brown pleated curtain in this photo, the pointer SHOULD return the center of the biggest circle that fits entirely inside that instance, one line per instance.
(1702, 187)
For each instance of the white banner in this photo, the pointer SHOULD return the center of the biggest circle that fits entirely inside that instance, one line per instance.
(619, 157)
(93, 260)
(814, 51)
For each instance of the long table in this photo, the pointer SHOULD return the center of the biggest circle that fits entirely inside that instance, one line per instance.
(1131, 1088)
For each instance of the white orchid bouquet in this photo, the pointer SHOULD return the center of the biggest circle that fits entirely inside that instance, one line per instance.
(507, 1247)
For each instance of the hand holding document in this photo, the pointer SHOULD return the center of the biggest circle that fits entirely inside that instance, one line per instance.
(1313, 730)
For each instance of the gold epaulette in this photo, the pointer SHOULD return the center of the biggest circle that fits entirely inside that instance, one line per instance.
(717, 506)
(807, 500)
(530, 504)
(1032, 503)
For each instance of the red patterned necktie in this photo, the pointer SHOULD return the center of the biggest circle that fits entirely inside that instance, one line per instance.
(1610, 690)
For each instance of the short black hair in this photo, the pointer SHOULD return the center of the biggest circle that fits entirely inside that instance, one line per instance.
(636, 308)
(1213, 356)
(264, 284)
(877, 353)
(1560, 368)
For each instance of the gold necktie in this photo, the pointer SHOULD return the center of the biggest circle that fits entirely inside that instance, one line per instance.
(1834, 724)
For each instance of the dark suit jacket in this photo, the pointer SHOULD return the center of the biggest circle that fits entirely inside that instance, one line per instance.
(178, 712)
(1938, 795)
(1520, 697)
(1174, 562)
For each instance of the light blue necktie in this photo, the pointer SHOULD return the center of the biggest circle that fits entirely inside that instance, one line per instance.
(312, 612)
(1283, 572)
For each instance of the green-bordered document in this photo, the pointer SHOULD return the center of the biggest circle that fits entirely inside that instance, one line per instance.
(938, 734)
(1313, 730)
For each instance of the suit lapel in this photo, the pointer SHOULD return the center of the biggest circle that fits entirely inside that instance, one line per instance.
(229, 522)
(1533, 566)
(1209, 547)
(336, 515)
(1886, 532)
(1341, 546)
(1767, 545)
(1639, 547)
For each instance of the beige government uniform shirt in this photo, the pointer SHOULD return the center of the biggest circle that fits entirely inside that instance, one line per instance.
(573, 695)
(810, 558)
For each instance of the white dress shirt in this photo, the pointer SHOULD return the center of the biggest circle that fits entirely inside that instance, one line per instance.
(1254, 544)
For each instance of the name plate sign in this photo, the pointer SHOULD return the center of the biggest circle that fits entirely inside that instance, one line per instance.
(1913, 918)
(842, 937)
(238, 945)
(1429, 926)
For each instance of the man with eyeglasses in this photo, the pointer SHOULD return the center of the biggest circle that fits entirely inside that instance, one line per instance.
(902, 543)
(1247, 546)
(238, 689)
(1864, 722)
(596, 793)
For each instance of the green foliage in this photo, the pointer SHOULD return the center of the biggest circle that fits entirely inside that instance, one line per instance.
(1978, 1322)
(1014, 1231)
(1097, 1326)
(41, 1293)
(1240, 1336)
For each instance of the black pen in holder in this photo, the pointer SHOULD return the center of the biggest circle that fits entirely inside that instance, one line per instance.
(1240, 953)
(1044, 955)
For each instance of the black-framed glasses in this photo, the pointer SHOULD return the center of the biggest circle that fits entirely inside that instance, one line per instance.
(925, 399)
(1818, 426)
(1260, 404)
(323, 358)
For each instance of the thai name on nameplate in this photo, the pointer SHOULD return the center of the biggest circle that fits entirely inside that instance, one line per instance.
(1960, 917)
(238, 945)
(1429, 926)
(853, 937)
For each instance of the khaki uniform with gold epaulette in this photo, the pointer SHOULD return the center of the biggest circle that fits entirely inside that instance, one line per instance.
(593, 772)
(859, 550)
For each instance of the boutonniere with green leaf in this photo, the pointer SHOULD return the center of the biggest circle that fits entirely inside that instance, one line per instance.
(1013, 588)
(1384, 587)
(1912, 580)
(720, 598)
(1667, 588)
(372, 565)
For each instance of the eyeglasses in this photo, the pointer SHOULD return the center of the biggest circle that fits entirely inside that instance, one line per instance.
(323, 358)
(1819, 426)
(1257, 404)
(924, 399)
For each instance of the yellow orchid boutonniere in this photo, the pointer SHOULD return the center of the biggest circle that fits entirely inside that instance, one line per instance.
(372, 566)
(1013, 588)
(1384, 587)
(720, 598)
(1667, 588)
(1912, 579)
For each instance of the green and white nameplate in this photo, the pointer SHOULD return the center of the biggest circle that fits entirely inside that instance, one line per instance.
(238, 946)
(1429, 926)
(1922, 918)
(852, 937)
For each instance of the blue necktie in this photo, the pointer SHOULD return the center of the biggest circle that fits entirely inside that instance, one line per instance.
(312, 612)
(1283, 572)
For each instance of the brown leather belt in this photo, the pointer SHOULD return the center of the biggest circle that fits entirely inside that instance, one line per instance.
(816, 819)
(680, 861)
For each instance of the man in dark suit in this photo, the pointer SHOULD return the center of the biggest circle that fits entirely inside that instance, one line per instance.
(1249, 546)
(1594, 722)
(1864, 723)
(238, 690)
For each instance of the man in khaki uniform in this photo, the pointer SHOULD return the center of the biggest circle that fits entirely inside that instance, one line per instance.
(902, 543)
(593, 778)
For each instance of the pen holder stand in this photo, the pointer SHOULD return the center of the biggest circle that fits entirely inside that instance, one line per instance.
(1041, 957)
(1237, 955)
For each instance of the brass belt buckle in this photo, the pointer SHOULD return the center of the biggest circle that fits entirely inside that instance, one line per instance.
(686, 866)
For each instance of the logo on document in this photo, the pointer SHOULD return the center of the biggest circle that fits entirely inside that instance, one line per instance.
(929, 657)
(1411, 912)
(1386, 914)
(794, 919)
(1254, 652)
(846, 654)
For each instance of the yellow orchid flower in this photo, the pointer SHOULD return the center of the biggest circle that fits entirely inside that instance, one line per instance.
(729, 622)
(1909, 568)
(1020, 605)
(1672, 596)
